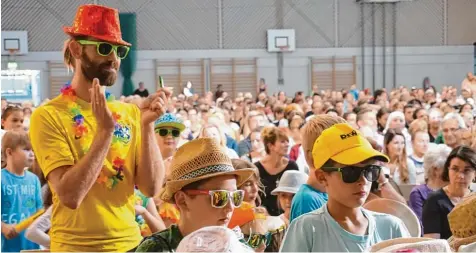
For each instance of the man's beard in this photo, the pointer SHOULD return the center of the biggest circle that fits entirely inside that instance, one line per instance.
(93, 70)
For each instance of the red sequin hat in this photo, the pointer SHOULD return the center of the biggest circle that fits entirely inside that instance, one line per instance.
(99, 22)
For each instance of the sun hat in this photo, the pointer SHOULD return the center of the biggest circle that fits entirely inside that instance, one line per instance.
(462, 220)
(290, 182)
(419, 244)
(398, 210)
(196, 160)
(99, 22)
(212, 239)
(170, 120)
(345, 145)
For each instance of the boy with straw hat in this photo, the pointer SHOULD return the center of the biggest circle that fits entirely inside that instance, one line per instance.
(204, 186)
(345, 163)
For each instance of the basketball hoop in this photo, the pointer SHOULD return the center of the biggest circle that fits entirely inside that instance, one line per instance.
(283, 48)
(12, 64)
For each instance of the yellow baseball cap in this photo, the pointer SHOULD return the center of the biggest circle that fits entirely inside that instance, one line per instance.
(345, 145)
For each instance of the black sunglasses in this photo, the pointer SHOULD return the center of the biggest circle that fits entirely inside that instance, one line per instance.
(351, 174)
(164, 132)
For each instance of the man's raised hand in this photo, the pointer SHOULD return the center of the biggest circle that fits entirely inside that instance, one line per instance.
(101, 112)
(155, 105)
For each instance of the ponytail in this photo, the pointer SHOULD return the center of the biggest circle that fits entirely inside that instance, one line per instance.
(67, 56)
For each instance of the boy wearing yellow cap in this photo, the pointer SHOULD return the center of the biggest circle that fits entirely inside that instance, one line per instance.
(345, 163)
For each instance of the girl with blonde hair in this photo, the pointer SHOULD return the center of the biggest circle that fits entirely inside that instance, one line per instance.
(211, 130)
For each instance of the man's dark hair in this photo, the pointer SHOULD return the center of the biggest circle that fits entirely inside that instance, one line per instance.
(415, 102)
(415, 113)
(378, 93)
(362, 112)
(408, 106)
(331, 110)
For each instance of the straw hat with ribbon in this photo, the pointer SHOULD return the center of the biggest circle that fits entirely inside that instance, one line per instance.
(462, 221)
(399, 210)
(196, 160)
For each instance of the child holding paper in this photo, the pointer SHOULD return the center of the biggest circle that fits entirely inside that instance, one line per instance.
(21, 191)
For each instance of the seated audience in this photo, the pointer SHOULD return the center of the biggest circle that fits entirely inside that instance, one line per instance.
(433, 163)
(459, 171)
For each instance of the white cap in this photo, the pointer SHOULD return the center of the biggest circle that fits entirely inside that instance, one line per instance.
(290, 182)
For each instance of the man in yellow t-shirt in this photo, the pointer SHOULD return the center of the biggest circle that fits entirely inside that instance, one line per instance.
(94, 150)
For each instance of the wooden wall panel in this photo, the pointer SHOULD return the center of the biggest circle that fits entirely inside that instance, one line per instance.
(333, 73)
(58, 77)
(176, 73)
(235, 75)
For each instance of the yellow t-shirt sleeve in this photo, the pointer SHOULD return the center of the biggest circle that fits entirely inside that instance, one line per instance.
(49, 142)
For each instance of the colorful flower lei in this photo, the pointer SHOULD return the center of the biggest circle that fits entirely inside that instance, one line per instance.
(81, 131)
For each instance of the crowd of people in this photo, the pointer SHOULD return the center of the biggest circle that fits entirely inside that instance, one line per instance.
(187, 172)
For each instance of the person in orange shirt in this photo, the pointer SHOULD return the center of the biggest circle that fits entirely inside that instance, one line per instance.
(92, 149)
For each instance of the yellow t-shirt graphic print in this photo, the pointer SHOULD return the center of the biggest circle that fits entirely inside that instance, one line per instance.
(105, 220)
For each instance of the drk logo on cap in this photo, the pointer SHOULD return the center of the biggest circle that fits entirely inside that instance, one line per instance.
(351, 134)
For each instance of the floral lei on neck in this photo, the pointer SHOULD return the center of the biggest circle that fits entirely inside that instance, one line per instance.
(81, 134)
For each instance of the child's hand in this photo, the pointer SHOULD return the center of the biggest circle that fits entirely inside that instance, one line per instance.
(8, 230)
(140, 210)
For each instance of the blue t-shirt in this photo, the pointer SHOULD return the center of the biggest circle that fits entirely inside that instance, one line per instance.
(21, 198)
(317, 231)
(307, 199)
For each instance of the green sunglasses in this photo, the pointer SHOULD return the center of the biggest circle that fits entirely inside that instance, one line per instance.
(104, 48)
